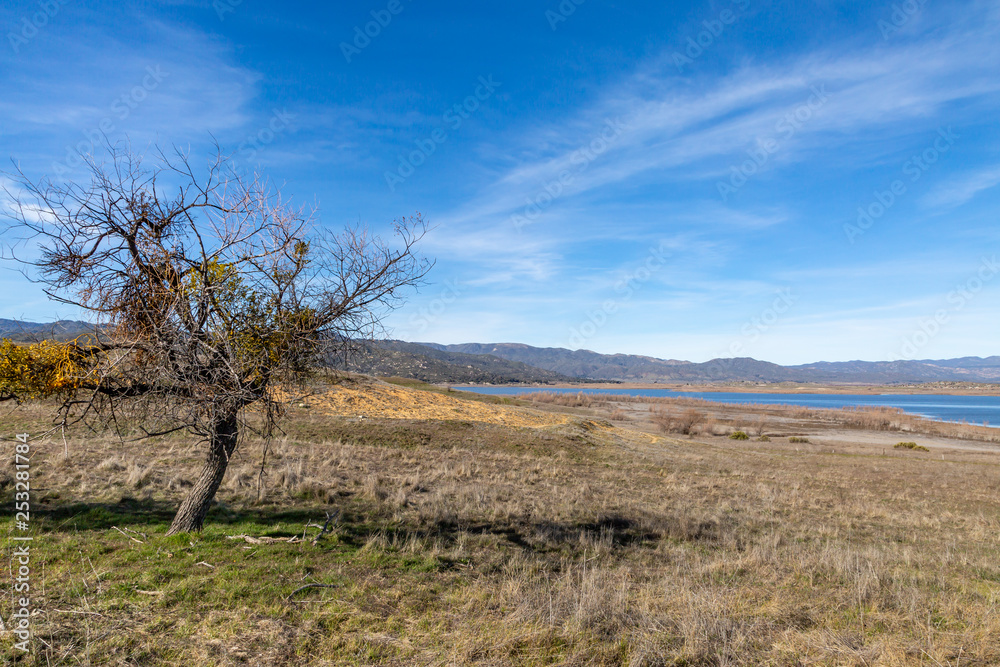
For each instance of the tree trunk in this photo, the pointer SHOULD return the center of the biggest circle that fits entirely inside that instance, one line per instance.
(191, 514)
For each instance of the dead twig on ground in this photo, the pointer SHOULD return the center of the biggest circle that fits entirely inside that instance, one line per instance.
(308, 586)
(134, 539)
(264, 540)
(326, 526)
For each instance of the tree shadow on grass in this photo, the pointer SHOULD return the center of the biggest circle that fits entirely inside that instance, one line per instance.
(153, 514)
(355, 527)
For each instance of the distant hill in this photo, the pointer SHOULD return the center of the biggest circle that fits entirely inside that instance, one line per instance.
(516, 363)
(29, 332)
(966, 369)
(637, 368)
(579, 363)
(429, 364)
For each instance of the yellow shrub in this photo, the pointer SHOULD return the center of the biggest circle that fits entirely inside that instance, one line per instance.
(41, 369)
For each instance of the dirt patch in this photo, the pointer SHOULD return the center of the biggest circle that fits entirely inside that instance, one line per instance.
(375, 399)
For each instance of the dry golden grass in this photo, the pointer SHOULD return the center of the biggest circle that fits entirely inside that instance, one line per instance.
(578, 543)
(357, 396)
(682, 415)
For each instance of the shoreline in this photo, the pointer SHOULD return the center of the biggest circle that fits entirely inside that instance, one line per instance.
(931, 388)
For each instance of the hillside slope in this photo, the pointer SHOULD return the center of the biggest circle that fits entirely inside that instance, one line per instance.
(638, 368)
(30, 332)
(430, 364)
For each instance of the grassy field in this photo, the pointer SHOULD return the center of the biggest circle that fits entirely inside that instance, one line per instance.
(582, 542)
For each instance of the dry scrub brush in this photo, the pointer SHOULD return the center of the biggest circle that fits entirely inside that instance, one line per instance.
(684, 422)
(565, 399)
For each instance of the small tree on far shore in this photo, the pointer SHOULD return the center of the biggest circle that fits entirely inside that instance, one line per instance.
(210, 293)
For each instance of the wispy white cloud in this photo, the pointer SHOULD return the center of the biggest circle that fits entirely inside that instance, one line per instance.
(676, 131)
(177, 85)
(651, 183)
(674, 127)
(956, 192)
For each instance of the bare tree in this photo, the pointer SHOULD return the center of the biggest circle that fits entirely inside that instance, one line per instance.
(209, 292)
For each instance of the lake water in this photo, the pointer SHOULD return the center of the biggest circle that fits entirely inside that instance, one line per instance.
(943, 407)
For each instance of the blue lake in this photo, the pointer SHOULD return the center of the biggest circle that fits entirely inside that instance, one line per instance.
(943, 407)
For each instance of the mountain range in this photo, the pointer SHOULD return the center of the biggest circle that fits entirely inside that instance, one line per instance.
(638, 368)
(516, 363)
(431, 364)
(29, 332)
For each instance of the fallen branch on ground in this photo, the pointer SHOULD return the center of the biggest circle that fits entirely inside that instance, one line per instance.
(326, 526)
(265, 540)
(134, 539)
(307, 586)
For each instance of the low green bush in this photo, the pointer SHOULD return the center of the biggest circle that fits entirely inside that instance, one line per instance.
(911, 445)
(738, 435)
(796, 438)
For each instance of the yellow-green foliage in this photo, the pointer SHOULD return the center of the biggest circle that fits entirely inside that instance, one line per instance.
(41, 369)
(911, 445)
(739, 435)
(259, 335)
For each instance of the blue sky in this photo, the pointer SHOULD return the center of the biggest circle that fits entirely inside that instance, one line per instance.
(792, 181)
